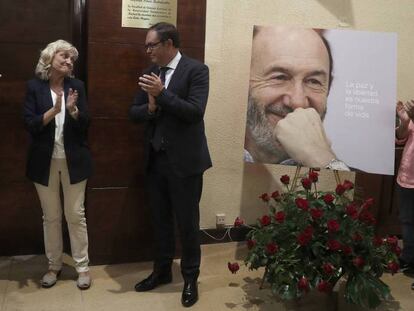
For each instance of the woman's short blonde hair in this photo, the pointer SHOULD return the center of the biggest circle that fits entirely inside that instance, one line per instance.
(46, 56)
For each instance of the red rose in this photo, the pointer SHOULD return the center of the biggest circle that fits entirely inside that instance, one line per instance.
(233, 267)
(303, 284)
(368, 203)
(324, 286)
(392, 240)
(397, 250)
(302, 203)
(251, 244)
(305, 236)
(313, 176)
(340, 189)
(306, 183)
(238, 222)
(272, 248)
(265, 220)
(351, 211)
(303, 239)
(316, 213)
(348, 185)
(358, 261)
(334, 245)
(346, 249)
(275, 195)
(357, 237)
(328, 198)
(377, 241)
(265, 197)
(280, 217)
(308, 230)
(285, 179)
(366, 217)
(393, 267)
(328, 268)
(333, 225)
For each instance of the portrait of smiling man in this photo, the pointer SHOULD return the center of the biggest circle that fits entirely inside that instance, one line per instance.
(290, 77)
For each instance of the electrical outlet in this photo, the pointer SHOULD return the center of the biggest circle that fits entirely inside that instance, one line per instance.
(220, 220)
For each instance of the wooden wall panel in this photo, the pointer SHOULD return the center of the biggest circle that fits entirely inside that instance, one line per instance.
(118, 225)
(26, 26)
(13, 148)
(383, 189)
(116, 154)
(388, 223)
(33, 21)
(116, 201)
(113, 70)
(20, 220)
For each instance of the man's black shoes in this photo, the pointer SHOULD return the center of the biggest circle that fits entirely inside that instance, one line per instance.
(190, 293)
(190, 290)
(153, 281)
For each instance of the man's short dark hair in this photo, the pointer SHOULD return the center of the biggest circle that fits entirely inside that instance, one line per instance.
(166, 31)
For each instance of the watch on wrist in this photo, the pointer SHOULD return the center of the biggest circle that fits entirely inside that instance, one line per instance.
(338, 165)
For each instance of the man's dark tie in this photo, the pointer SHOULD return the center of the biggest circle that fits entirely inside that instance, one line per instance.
(157, 138)
(163, 71)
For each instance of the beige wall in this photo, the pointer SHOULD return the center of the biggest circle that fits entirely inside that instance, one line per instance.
(232, 187)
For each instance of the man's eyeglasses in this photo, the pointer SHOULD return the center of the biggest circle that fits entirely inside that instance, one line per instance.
(151, 46)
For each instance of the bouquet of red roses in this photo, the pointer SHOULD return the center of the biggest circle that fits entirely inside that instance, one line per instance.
(309, 239)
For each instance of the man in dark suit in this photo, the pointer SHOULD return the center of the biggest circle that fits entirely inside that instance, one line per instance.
(172, 100)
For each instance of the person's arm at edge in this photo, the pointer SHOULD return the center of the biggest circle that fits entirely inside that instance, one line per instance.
(401, 132)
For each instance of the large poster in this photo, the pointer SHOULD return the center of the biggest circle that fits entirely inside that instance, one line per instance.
(322, 98)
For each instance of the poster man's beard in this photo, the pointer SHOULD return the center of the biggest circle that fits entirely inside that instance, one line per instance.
(262, 132)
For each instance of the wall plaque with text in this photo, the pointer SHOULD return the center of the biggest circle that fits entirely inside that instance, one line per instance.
(145, 13)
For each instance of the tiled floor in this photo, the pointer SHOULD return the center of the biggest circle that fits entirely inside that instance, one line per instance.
(113, 288)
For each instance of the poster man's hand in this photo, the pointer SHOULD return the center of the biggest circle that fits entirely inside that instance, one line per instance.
(303, 137)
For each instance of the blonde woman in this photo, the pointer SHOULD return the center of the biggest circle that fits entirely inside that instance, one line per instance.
(55, 115)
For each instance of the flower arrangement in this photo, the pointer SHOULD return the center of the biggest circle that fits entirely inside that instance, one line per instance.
(309, 239)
